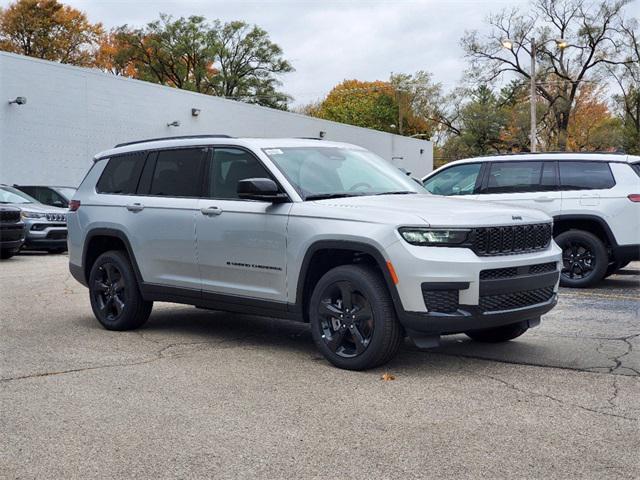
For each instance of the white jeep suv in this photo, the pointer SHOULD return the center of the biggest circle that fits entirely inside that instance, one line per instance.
(322, 232)
(594, 199)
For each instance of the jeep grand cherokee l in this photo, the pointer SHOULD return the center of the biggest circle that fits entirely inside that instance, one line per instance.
(322, 232)
(594, 199)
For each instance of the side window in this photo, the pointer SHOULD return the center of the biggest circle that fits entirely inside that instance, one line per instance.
(121, 174)
(514, 177)
(458, 180)
(227, 167)
(549, 178)
(585, 175)
(178, 173)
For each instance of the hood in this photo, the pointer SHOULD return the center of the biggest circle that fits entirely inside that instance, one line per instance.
(38, 207)
(432, 209)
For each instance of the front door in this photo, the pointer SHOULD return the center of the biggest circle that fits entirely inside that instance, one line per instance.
(241, 243)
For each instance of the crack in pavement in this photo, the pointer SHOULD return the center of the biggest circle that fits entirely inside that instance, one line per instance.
(554, 399)
(618, 359)
(158, 355)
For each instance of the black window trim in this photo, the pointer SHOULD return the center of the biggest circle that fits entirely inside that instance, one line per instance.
(151, 155)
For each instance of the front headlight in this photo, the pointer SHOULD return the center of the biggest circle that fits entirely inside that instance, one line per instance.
(434, 236)
(28, 214)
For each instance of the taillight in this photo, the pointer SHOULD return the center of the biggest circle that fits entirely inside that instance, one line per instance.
(634, 197)
(74, 205)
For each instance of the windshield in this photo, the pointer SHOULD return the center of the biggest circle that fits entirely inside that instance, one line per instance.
(11, 195)
(325, 172)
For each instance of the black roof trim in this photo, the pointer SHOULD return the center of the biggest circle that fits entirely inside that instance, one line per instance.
(516, 154)
(179, 137)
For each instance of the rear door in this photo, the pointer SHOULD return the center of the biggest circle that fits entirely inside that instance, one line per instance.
(241, 243)
(531, 184)
(585, 185)
(161, 217)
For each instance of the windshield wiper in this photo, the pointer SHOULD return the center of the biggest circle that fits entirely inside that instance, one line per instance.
(403, 192)
(324, 196)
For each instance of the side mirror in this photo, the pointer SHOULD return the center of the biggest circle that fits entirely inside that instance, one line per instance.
(263, 189)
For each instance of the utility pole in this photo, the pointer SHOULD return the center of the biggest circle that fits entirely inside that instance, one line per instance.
(533, 96)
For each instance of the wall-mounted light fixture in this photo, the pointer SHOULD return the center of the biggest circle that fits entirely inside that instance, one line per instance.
(19, 101)
(175, 123)
(322, 134)
(195, 112)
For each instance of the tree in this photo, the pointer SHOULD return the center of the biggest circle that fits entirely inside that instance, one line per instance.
(378, 105)
(49, 30)
(627, 77)
(592, 126)
(480, 125)
(593, 36)
(233, 60)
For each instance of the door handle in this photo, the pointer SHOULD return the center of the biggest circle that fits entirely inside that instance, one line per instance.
(135, 207)
(211, 211)
(543, 199)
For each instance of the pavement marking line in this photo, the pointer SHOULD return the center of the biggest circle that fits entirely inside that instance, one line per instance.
(599, 295)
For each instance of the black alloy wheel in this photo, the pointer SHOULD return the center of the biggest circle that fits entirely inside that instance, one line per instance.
(115, 296)
(346, 319)
(108, 291)
(577, 260)
(584, 258)
(353, 319)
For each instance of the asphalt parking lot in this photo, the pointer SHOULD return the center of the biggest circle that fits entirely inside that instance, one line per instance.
(198, 394)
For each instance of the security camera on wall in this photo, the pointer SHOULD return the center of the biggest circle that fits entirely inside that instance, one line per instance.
(19, 101)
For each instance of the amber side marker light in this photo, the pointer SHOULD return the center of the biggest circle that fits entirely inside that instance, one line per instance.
(392, 272)
(634, 197)
(74, 205)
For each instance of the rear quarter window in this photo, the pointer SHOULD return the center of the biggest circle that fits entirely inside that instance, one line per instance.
(636, 168)
(585, 176)
(121, 174)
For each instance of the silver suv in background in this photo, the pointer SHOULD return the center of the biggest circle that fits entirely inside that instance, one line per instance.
(594, 199)
(49, 195)
(322, 232)
(45, 226)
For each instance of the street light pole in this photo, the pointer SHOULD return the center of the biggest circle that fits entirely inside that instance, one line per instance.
(507, 43)
(533, 96)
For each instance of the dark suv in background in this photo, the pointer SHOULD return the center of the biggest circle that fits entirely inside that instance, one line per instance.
(54, 196)
(11, 231)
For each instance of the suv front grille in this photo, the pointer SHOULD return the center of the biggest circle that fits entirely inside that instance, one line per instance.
(510, 240)
(56, 217)
(513, 300)
(9, 216)
(509, 272)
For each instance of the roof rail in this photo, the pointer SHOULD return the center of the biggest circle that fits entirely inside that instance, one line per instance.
(309, 138)
(597, 152)
(179, 137)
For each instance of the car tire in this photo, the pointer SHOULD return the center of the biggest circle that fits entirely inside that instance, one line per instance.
(498, 334)
(353, 320)
(584, 259)
(115, 295)
(7, 253)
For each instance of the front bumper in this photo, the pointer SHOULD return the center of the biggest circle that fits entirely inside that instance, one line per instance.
(11, 235)
(41, 234)
(472, 299)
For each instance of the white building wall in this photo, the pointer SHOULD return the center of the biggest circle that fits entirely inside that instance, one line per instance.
(73, 113)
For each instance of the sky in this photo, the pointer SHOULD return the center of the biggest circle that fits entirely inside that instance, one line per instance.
(328, 41)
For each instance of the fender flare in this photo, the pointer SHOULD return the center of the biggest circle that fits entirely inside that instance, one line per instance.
(591, 218)
(109, 232)
(345, 245)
